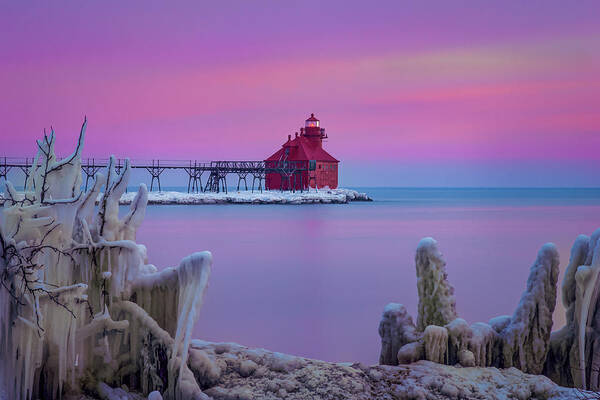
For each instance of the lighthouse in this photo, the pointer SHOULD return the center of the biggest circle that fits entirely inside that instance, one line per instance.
(304, 157)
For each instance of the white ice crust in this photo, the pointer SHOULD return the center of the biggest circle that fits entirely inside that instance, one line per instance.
(320, 196)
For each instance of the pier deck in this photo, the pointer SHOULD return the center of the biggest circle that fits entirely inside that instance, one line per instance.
(215, 171)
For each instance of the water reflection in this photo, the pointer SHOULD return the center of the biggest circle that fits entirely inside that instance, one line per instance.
(313, 280)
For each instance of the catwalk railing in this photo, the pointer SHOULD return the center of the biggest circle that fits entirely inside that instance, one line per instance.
(291, 172)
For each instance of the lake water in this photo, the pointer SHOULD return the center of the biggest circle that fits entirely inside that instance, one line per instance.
(312, 280)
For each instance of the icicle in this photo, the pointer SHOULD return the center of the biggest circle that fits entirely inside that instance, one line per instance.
(193, 273)
(436, 343)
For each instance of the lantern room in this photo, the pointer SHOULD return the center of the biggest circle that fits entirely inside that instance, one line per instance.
(312, 129)
(312, 122)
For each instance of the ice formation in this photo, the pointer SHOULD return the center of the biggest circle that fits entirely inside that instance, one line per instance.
(396, 329)
(80, 308)
(525, 340)
(436, 296)
(459, 339)
(520, 341)
(435, 339)
(574, 356)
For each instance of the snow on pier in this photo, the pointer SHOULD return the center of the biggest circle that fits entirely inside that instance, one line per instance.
(321, 196)
(339, 196)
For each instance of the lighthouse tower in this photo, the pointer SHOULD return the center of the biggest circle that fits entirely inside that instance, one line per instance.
(318, 168)
(312, 130)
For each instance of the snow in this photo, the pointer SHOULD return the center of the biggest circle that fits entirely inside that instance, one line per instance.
(320, 196)
(247, 197)
(313, 379)
(500, 322)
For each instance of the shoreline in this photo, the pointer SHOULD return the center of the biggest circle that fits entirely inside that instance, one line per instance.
(234, 371)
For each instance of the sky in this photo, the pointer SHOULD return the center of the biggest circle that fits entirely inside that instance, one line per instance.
(428, 93)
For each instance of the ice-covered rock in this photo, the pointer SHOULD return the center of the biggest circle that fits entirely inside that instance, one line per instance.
(437, 305)
(395, 329)
(466, 358)
(411, 352)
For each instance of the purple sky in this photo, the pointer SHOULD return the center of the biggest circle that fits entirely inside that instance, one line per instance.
(427, 94)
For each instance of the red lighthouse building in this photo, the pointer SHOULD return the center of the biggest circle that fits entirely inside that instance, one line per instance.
(302, 162)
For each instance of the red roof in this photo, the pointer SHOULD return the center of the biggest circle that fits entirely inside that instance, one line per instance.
(303, 149)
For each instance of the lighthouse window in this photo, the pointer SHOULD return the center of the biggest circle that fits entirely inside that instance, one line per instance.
(312, 124)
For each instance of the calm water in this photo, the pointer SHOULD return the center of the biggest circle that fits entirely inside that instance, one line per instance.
(313, 280)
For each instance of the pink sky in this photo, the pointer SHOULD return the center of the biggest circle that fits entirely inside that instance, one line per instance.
(439, 93)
